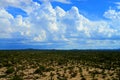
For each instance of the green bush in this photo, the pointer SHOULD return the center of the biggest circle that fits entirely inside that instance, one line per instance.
(10, 70)
(49, 69)
(16, 77)
(74, 74)
(71, 67)
(61, 78)
(3, 76)
(83, 78)
(1, 65)
(40, 69)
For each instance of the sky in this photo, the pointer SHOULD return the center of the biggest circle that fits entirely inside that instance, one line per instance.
(60, 24)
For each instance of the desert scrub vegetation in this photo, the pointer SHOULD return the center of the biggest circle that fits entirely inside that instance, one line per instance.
(10, 70)
(16, 77)
(59, 65)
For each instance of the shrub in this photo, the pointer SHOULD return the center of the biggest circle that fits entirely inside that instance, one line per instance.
(1, 65)
(3, 76)
(49, 69)
(71, 68)
(74, 74)
(51, 76)
(40, 70)
(10, 70)
(83, 78)
(16, 77)
(61, 78)
(80, 69)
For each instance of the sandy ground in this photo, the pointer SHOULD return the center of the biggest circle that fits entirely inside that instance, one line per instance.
(70, 72)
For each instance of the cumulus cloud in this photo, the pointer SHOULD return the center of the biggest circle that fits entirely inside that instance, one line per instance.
(112, 14)
(114, 22)
(5, 21)
(118, 4)
(61, 1)
(54, 25)
(5, 3)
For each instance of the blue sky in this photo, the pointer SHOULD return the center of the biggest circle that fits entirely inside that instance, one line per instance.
(60, 24)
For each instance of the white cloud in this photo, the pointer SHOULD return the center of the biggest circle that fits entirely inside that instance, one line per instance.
(41, 36)
(5, 3)
(112, 14)
(118, 4)
(61, 1)
(25, 5)
(114, 22)
(59, 12)
(46, 24)
(5, 23)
